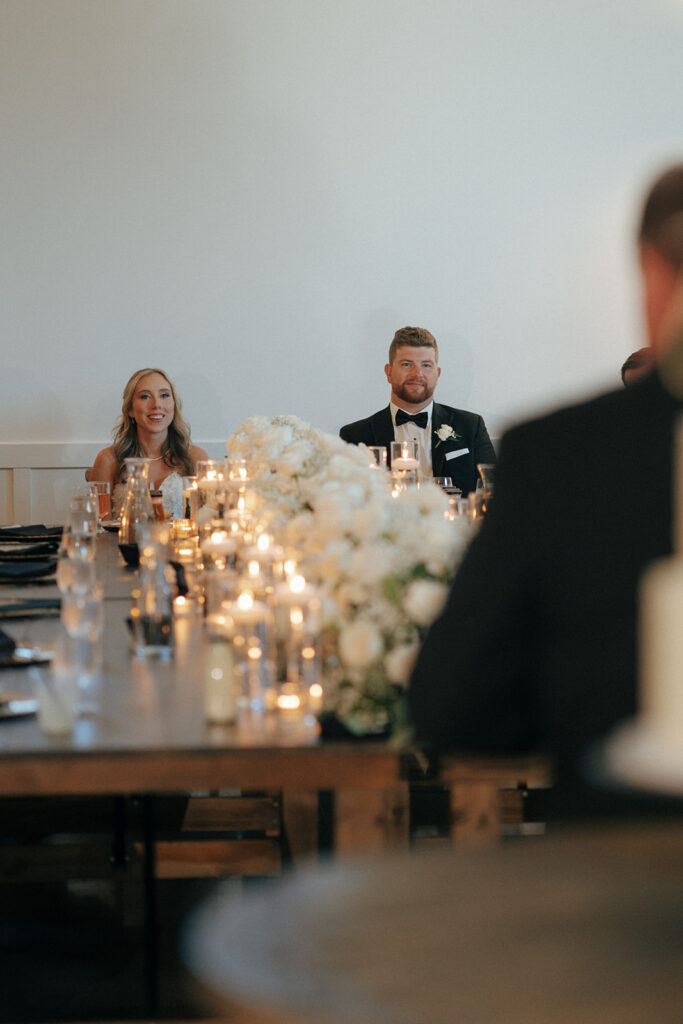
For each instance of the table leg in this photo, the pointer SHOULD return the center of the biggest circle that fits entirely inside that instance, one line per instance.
(300, 823)
(475, 813)
(371, 819)
(150, 903)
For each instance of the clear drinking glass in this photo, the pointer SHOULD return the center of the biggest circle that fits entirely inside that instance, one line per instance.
(81, 528)
(102, 489)
(487, 473)
(378, 456)
(82, 614)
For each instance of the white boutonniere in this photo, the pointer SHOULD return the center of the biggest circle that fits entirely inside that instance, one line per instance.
(445, 433)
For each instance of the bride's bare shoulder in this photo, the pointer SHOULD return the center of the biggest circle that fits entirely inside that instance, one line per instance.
(105, 466)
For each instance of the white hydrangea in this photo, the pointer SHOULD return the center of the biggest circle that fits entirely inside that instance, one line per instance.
(383, 564)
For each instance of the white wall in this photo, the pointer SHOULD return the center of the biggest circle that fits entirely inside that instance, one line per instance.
(254, 194)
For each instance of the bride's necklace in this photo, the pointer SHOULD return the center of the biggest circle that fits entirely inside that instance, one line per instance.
(150, 459)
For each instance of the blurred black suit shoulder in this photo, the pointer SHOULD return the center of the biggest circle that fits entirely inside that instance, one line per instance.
(536, 646)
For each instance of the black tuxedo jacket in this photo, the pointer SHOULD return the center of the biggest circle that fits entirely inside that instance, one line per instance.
(379, 429)
(537, 646)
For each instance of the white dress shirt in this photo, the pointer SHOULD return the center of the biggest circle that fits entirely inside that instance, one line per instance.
(411, 432)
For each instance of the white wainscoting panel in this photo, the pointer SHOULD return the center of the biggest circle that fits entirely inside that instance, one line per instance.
(37, 479)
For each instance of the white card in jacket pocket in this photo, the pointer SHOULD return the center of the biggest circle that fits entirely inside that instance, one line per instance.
(458, 451)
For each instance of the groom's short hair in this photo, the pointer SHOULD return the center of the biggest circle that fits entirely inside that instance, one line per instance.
(416, 337)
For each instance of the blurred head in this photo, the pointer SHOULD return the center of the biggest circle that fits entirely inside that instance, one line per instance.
(660, 240)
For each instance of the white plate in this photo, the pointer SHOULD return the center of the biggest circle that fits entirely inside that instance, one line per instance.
(14, 705)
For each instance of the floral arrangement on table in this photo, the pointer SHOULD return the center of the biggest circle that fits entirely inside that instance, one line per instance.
(383, 564)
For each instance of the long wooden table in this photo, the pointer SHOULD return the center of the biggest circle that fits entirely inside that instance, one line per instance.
(150, 737)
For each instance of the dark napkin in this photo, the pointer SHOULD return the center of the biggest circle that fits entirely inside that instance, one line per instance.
(30, 608)
(7, 645)
(23, 533)
(29, 552)
(17, 572)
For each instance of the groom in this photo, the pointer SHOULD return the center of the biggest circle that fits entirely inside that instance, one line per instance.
(452, 441)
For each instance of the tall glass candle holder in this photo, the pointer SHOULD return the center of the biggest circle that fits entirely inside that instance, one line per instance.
(190, 499)
(251, 625)
(236, 480)
(218, 670)
(405, 464)
(263, 561)
(211, 484)
(298, 626)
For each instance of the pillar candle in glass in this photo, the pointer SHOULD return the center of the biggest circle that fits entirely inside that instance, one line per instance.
(218, 671)
(251, 623)
(298, 625)
(190, 499)
(211, 485)
(405, 464)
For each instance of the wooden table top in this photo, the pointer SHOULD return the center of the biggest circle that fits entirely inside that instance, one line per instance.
(150, 732)
(587, 926)
(151, 735)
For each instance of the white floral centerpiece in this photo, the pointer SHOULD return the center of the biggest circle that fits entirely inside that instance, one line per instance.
(383, 564)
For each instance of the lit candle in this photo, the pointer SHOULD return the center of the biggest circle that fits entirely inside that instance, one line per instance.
(182, 607)
(405, 463)
(289, 706)
(220, 704)
(315, 698)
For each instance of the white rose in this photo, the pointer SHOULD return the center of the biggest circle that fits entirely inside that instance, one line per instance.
(423, 600)
(371, 563)
(359, 645)
(398, 664)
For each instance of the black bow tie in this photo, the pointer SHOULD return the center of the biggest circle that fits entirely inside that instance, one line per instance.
(420, 418)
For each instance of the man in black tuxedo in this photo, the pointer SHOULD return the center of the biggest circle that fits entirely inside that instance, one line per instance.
(452, 441)
(537, 645)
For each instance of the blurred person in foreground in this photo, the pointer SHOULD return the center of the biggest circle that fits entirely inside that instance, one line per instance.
(536, 647)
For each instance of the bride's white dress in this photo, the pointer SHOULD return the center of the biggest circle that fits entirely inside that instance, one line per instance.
(171, 496)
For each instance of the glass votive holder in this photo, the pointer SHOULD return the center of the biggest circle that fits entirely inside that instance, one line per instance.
(219, 549)
(190, 499)
(154, 543)
(251, 626)
(378, 456)
(297, 611)
(405, 464)
(211, 483)
(263, 563)
(220, 586)
(182, 529)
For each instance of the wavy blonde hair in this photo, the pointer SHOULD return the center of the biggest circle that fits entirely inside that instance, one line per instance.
(176, 447)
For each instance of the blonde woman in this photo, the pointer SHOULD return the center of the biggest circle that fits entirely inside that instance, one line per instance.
(151, 427)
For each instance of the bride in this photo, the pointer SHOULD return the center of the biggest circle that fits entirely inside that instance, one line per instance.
(151, 427)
